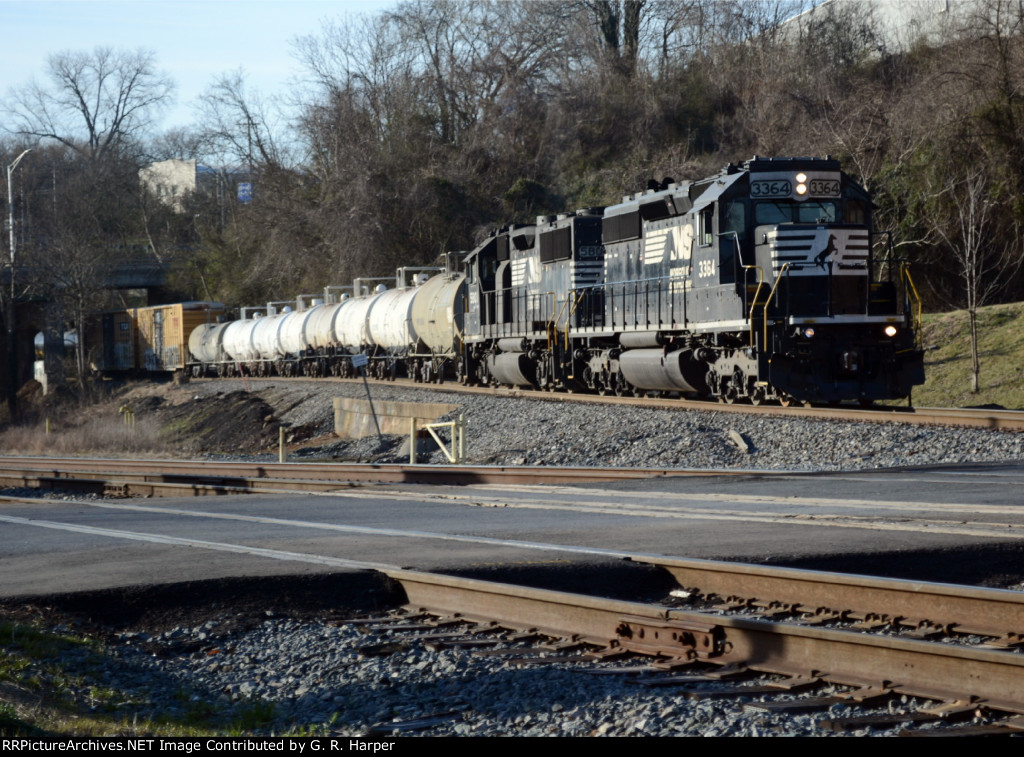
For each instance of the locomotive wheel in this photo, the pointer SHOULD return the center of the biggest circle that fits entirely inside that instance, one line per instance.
(786, 401)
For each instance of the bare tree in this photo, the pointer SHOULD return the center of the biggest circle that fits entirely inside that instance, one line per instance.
(984, 254)
(95, 103)
(237, 123)
(618, 25)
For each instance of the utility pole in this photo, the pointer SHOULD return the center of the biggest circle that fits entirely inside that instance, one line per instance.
(12, 355)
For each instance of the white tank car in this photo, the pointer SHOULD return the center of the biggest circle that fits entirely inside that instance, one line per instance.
(390, 321)
(320, 330)
(294, 334)
(351, 328)
(437, 313)
(238, 342)
(266, 335)
(206, 342)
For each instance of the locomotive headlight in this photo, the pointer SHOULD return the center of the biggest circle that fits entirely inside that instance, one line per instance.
(801, 183)
(801, 189)
(890, 331)
(808, 332)
(801, 178)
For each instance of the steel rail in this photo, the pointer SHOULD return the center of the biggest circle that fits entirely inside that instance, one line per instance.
(962, 609)
(880, 663)
(51, 472)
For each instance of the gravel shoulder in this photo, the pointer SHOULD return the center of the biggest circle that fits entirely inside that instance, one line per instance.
(232, 418)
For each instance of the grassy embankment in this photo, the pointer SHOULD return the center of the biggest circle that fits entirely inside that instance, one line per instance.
(948, 359)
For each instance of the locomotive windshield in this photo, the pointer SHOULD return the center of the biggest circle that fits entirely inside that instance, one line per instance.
(788, 211)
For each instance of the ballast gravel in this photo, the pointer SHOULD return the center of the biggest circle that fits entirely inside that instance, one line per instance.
(310, 678)
(506, 430)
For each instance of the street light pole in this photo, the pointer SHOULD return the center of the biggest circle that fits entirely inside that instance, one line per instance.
(12, 363)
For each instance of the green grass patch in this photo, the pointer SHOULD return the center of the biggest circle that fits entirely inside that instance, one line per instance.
(51, 685)
(948, 359)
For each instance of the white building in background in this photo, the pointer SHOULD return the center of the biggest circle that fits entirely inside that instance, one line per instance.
(900, 24)
(170, 180)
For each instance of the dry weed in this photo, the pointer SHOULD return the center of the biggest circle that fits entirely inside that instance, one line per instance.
(87, 431)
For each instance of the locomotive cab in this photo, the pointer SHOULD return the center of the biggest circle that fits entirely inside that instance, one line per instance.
(757, 283)
(823, 327)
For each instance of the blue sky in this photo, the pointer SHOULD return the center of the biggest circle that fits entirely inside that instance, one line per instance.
(194, 41)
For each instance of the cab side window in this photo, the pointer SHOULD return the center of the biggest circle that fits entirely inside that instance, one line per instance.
(736, 220)
(707, 225)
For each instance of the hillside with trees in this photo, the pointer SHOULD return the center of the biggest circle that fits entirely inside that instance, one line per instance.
(416, 130)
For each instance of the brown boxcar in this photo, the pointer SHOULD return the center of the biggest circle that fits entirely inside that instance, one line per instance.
(152, 339)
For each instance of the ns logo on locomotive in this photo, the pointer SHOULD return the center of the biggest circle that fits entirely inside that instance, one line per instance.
(765, 282)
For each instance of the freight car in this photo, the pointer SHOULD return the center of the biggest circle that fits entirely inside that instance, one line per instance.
(410, 330)
(764, 282)
(148, 339)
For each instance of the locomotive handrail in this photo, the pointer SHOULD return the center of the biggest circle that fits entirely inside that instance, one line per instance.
(760, 286)
(771, 294)
(915, 300)
(572, 311)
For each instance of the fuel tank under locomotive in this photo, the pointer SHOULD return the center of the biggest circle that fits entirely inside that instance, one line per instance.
(657, 370)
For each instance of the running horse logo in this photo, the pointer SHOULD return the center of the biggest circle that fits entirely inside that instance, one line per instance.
(824, 255)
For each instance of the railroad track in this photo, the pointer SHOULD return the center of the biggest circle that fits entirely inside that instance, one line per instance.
(1001, 420)
(153, 478)
(831, 638)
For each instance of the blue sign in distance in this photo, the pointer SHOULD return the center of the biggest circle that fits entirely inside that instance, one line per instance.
(245, 191)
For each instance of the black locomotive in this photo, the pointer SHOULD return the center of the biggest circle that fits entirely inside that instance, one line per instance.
(764, 282)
